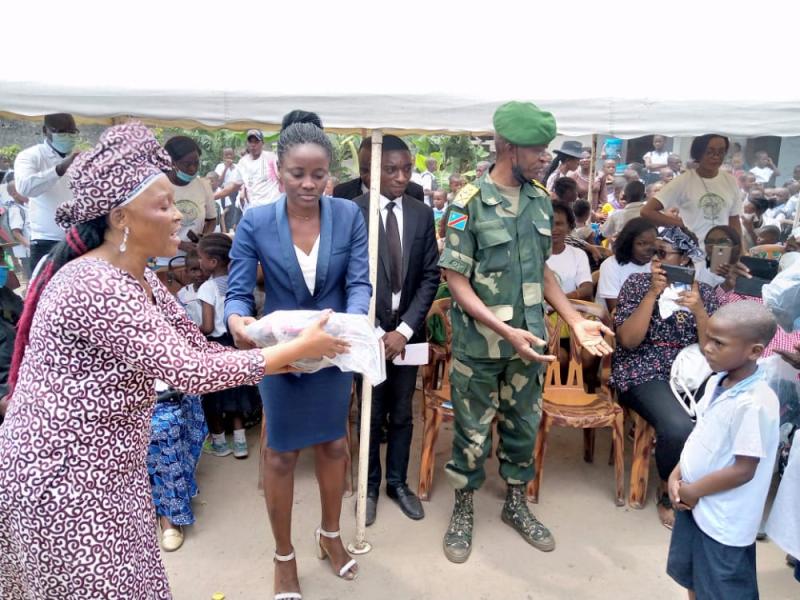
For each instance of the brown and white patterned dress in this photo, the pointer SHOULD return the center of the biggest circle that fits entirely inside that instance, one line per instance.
(76, 516)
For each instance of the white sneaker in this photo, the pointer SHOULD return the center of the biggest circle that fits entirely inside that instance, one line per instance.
(211, 447)
(240, 449)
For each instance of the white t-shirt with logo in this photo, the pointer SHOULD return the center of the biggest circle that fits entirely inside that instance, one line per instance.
(196, 203)
(703, 203)
(260, 178)
(613, 275)
(571, 267)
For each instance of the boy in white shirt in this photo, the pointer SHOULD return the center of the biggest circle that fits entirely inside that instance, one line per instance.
(721, 483)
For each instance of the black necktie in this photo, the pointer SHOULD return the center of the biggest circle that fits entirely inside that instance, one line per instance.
(395, 249)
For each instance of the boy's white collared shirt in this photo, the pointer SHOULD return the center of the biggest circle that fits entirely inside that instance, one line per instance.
(744, 421)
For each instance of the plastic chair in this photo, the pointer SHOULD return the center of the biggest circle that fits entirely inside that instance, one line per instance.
(568, 404)
(436, 397)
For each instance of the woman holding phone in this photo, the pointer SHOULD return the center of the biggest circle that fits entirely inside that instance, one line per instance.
(654, 322)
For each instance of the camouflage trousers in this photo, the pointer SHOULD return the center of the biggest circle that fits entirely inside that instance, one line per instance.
(509, 389)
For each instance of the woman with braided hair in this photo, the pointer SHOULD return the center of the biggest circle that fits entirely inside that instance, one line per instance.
(312, 249)
(76, 515)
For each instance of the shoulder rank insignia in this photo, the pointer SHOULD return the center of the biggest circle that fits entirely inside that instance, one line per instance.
(457, 220)
(538, 184)
(466, 194)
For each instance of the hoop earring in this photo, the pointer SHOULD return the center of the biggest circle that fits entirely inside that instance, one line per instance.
(124, 245)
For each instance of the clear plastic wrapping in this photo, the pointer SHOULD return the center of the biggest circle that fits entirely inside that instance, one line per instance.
(366, 354)
(782, 296)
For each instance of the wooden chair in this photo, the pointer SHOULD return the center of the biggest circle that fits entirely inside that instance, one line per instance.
(436, 397)
(567, 404)
(774, 251)
(643, 437)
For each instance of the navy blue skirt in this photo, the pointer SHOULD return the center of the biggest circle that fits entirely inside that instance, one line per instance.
(305, 410)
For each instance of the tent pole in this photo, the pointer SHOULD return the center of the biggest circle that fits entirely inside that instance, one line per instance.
(593, 172)
(361, 545)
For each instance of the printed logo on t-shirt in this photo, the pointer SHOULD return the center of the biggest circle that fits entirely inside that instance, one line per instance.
(189, 211)
(711, 204)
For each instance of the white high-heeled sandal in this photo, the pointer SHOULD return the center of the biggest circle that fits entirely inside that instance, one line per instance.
(322, 554)
(287, 595)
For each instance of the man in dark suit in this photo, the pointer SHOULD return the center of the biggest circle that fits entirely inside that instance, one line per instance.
(408, 277)
(360, 185)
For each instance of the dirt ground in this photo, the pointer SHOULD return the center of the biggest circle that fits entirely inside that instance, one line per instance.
(602, 551)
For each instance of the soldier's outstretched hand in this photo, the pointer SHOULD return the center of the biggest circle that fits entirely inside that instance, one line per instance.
(590, 336)
(523, 342)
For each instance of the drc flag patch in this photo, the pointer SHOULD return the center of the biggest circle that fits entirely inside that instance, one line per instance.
(457, 221)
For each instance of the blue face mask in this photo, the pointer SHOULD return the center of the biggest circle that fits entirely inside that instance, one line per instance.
(3, 276)
(184, 177)
(63, 143)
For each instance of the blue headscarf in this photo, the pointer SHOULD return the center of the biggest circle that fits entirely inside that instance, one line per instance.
(682, 242)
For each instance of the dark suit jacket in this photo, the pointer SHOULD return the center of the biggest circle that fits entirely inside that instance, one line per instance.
(352, 190)
(421, 273)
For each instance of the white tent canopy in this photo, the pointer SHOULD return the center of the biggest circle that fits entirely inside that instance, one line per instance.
(602, 68)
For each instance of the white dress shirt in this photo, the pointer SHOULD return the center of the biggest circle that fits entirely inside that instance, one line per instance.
(36, 177)
(403, 328)
(308, 265)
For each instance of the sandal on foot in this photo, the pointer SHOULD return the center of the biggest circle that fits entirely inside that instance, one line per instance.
(665, 502)
(286, 595)
(346, 572)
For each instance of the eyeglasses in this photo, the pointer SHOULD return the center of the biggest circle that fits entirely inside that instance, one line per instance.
(662, 254)
(719, 242)
(714, 153)
(61, 130)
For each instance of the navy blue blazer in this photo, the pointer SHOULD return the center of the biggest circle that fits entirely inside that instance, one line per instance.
(263, 237)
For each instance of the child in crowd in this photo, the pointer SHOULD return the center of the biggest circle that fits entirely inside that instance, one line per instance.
(213, 250)
(720, 485)
(178, 428)
(187, 295)
(769, 234)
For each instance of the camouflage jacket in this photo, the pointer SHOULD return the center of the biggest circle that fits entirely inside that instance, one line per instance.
(503, 255)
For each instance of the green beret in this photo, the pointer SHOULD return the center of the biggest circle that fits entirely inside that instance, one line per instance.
(524, 124)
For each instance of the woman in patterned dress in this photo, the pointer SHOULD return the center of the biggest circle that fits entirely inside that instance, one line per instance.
(76, 515)
(649, 337)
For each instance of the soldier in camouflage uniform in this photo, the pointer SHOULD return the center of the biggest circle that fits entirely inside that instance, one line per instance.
(497, 239)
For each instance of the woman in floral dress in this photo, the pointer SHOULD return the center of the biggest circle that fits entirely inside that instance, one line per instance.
(76, 515)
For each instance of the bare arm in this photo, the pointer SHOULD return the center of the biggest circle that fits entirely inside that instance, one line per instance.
(207, 326)
(209, 225)
(735, 222)
(584, 292)
(740, 472)
(652, 212)
(231, 188)
(20, 238)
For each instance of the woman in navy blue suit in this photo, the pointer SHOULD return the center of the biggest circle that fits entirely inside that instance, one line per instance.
(313, 252)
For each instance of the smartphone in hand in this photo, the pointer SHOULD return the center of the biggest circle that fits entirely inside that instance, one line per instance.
(720, 255)
(676, 274)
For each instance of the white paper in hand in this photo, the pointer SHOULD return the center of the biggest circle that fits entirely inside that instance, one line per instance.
(415, 355)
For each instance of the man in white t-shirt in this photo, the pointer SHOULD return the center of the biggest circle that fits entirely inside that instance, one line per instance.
(228, 174)
(39, 174)
(427, 180)
(657, 158)
(765, 169)
(703, 197)
(257, 172)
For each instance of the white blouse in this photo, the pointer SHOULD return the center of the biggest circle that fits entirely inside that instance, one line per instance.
(308, 265)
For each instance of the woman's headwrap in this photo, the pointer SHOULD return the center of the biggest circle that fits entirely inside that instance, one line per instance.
(124, 163)
(682, 242)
